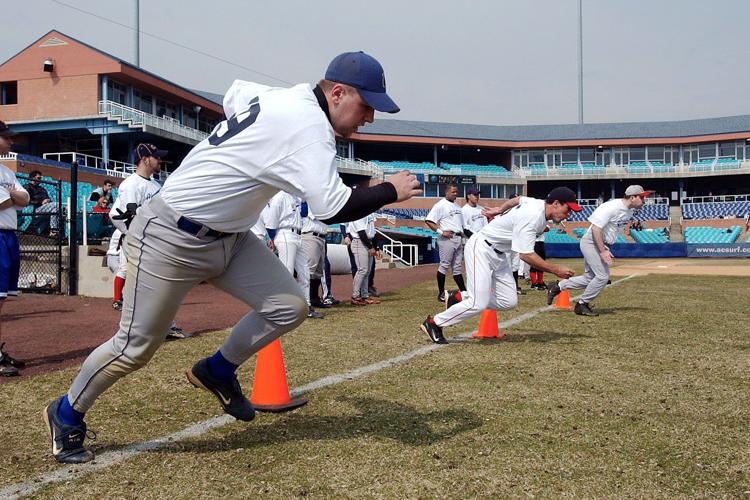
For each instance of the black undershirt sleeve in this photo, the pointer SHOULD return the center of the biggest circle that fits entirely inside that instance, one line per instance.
(467, 233)
(364, 239)
(364, 201)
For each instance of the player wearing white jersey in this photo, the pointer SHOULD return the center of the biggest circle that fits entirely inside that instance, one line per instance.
(283, 220)
(446, 220)
(488, 267)
(364, 250)
(138, 188)
(473, 213)
(606, 222)
(13, 197)
(198, 229)
(314, 242)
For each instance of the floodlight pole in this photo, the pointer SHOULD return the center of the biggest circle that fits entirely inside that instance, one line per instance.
(137, 33)
(580, 61)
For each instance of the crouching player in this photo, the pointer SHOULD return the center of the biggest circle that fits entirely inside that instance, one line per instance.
(490, 282)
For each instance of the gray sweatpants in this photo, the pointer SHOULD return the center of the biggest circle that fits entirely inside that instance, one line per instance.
(315, 247)
(451, 253)
(164, 264)
(595, 276)
(362, 259)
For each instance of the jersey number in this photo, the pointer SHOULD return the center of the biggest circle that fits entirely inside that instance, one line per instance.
(236, 124)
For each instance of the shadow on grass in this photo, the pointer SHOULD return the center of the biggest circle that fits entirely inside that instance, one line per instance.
(615, 310)
(374, 417)
(42, 314)
(521, 335)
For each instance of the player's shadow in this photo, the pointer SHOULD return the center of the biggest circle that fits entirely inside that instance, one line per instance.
(541, 336)
(373, 417)
(614, 310)
(36, 314)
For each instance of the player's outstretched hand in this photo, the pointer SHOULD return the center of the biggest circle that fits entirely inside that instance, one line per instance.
(607, 257)
(564, 272)
(406, 184)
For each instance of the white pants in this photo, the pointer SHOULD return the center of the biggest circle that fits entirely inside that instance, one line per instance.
(489, 284)
(293, 256)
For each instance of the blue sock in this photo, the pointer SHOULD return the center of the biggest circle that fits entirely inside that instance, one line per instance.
(220, 367)
(68, 414)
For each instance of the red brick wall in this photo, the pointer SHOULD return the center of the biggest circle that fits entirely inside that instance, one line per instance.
(65, 97)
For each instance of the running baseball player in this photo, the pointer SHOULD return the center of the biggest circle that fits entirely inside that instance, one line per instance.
(197, 228)
(607, 220)
(446, 220)
(13, 197)
(283, 220)
(488, 266)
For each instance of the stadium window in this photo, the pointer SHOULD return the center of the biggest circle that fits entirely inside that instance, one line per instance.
(728, 149)
(431, 190)
(143, 101)
(342, 148)
(690, 154)
(554, 157)
(536, 156)
(117, 92)
(707, 151)
(189, 118)
(586, 155)
(166, 109)
(570, 155)
(655, 153)
(638, 154)
(485, 190)
(8, 93)
(622, 156)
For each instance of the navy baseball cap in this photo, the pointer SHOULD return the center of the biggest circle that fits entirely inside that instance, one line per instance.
(364, 73)
(564, 195)
(5, 131)
(143, 150)
(473, 190)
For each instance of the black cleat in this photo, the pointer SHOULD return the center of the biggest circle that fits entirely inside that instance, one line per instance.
(117, 305)
(433, 331)
(5, 359)
(67, 440)
(584, 309)
(228, 392)
(453, 297)
(441, 297)
(553, 291)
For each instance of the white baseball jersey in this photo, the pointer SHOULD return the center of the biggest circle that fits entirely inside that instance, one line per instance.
(283, 212)
(134, 189)
(519, 228)
(474, 221)
(8, 216)
(366, 224)
(611, 217)
(275, 139)
(447, 215)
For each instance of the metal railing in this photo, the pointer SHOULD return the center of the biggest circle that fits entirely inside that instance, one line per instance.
(645, 167)
(407, 254)
(9, 156)
(113, 167)
(358, 165)
(136, 118)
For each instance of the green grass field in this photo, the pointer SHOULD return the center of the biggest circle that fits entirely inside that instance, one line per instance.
(650, 399)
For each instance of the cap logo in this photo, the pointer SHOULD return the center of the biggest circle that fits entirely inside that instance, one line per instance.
(383, 78)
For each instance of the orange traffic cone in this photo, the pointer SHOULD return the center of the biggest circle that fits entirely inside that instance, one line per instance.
(488, 326)
(563, 300)
(270, 390)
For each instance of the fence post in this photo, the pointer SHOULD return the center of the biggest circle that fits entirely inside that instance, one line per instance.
(73, 236)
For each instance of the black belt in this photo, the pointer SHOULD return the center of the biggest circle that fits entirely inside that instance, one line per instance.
(493, 248)
(297, 231)
(198, 229)
(319, 235)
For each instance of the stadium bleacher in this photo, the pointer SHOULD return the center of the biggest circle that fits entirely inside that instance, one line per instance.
(715, 210)
(555, 237)
(649, 236)
(707, 234)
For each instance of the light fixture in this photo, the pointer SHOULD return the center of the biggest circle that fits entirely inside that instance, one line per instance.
(49, 65)
(599, 149)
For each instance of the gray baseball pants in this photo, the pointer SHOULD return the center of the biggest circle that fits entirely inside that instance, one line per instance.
(595, 275)
(292, 254)
(451, 253)
(164, 264)
(315, 250)
(362, 259)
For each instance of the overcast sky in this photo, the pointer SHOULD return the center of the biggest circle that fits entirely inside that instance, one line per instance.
(496, 62)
